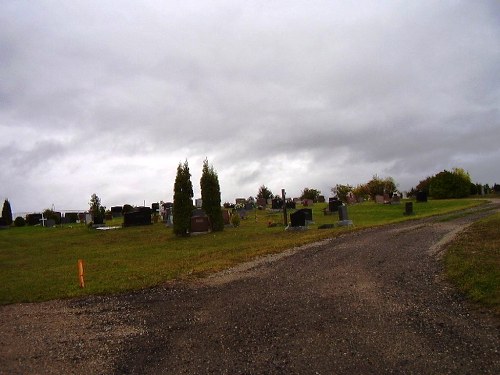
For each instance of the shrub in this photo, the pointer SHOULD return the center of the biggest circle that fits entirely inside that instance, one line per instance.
(235, 220)
(19, 222)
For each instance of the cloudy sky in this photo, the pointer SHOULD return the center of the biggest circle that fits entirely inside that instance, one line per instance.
(108, 97)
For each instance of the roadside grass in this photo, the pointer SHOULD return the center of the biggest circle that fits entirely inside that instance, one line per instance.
(472, 262)
(38, 264)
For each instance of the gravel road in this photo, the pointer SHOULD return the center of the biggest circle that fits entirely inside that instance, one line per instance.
(370, 301)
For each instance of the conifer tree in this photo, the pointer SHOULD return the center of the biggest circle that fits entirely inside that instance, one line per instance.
(7, 212)
(210, 196)
(183, 200)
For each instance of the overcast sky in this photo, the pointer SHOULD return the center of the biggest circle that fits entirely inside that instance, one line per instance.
(108, 97)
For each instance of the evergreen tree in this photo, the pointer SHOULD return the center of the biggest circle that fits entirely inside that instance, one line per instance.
(210, 196)
(448, 184)
(7, 212)
(265, 193)
(183, 200)
(96, 209)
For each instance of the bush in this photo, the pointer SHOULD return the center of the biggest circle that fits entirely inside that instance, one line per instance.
(235, 220)
(19, 222)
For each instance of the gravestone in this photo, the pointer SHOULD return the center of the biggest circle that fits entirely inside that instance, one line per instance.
(298, 219)
(240, 201)
(334, 204)
(409, 208)
(116, 211)
(155, 207)
(262, 202)
(49, 223)
(226, 217)
(3, 223)
(33, 219)
(198, 203)
(290, 204)
(200, 222)
(379, 199)
(139, 216)
(277, 204)
(321, 199)
(421, 197)
(71, 217)
(343, 217)
(395, 199)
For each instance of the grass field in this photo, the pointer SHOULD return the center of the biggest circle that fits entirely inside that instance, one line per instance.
(39, 264)
(473, 262)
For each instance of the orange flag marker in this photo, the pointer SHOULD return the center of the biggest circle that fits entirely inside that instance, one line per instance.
(80, 273)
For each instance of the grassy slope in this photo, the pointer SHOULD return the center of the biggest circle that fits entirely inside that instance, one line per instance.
(472, 262)
(41, 263)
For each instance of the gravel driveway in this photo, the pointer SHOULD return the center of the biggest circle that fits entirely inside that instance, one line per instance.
(371, 301)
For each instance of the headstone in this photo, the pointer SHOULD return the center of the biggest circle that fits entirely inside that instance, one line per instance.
(49, 223)
(321, 199)
(198, 203)
(139, 216)
(343, 217)
(298, 219)
(226, 217)
(269, 202)
(290, 204)
(116, 211)
(240, 201)
(3, 223)
(249, 206)
(262, 202)
(421, 197)
(395, 199)
(71, 217)
(334, 204)
(379, 199)
(277, 204)
(409, 208)
(33, 219)
(108, 216)
(200, 224)
(155, 207)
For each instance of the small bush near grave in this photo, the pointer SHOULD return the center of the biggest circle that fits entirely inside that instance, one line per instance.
(19, 222)
(235, 220)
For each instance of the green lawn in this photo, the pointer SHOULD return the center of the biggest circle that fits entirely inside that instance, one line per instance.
(472, 262)
(39, 264)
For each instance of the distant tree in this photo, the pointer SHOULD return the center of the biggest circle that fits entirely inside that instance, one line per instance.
(361, 191)
(446, 184)
(96, 209)
(265, 193)
(379, 186)
(308, 193)
(341, 191)
(7, 212)
(210, 196)
(424, 185)
(183, 200)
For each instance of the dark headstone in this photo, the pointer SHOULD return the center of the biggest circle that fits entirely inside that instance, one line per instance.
(33, 219)
(70, 217)
(298, 219)
(226, 217)
(116, 211)
(277, 204)
(155, 207)
(262, 202)
(421, 196)
(334, 204)
(321, 199)
(139, 216)
(49, 223)
(290, 205)
(343, 217)
(409, 208)
(200, 224)
(3, 223)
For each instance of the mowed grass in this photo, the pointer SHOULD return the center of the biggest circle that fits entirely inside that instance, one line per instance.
(38, 264)
(472, 262)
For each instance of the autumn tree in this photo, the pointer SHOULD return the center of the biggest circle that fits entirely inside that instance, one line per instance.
(308, 193)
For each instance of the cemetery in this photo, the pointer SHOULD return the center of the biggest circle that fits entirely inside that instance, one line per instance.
(145, 253)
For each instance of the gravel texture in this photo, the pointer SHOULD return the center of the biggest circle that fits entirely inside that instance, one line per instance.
(370, 301)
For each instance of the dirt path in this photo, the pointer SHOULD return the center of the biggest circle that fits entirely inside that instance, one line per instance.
(368, 302)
